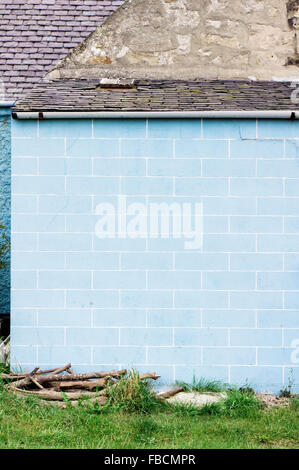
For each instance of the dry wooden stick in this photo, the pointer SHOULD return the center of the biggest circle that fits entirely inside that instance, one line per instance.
(53, 395)
(17, 375)
(55, 387)
(89, 385)
(149, 376)
(12, 376)
(36, 373)
(36, 383)
(42, 379)
(171, 393)
(61, 369)
(48, 371)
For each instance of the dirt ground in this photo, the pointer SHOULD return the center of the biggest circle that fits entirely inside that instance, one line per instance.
(273, 400)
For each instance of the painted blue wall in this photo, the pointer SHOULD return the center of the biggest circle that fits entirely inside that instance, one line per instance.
(5, 156)
(227, 311)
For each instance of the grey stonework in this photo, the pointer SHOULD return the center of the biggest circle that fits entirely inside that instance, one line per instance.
(190, 39)
(293, 20)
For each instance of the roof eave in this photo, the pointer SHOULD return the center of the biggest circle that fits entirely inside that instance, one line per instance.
(246, 114)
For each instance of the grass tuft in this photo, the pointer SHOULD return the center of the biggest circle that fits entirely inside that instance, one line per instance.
(202, 385)
(184, 410)
(241, 403)
(294, 403)
(132, 395)
(3, 367)
(237, 404)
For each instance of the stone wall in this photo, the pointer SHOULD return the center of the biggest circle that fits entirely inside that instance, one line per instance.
(190, 39)
(293, 19)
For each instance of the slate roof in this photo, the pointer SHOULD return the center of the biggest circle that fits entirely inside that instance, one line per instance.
(36, 34)
(158, 95)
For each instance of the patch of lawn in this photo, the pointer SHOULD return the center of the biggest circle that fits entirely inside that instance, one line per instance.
(130, 394)
(237, 404)
(202, 385)
(25, 423)
(3, 368)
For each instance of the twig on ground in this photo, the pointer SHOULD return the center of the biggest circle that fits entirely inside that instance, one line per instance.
(170, 393)
(61, 386)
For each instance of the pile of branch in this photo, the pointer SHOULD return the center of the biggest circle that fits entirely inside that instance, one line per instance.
(62, 386)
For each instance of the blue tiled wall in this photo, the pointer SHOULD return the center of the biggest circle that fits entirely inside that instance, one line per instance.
(229, 311)
(5, 156)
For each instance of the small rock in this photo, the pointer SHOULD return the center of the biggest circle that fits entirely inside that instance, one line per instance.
(196, 398)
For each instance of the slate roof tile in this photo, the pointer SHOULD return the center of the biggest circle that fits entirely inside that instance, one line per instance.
(30, 28)
(159, 95)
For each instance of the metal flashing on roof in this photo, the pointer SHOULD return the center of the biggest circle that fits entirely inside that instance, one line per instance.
(116, 83)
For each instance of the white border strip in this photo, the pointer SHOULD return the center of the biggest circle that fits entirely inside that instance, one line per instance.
(154, 115)
(6, 104)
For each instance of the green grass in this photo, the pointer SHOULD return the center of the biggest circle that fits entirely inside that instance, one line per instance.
(202, 385)
(130, 394)
(237, 404)
(3, 368)
(237, 423)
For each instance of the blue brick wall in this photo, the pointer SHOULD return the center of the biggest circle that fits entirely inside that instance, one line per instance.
(228, 311)
(5, 156)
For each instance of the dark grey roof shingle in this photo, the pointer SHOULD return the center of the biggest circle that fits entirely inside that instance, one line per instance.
(159, 95)
(39, 33)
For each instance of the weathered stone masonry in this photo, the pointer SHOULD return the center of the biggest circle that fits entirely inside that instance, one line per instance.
(190, 39)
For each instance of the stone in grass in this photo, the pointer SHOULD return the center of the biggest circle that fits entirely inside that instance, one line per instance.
(196, 398)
